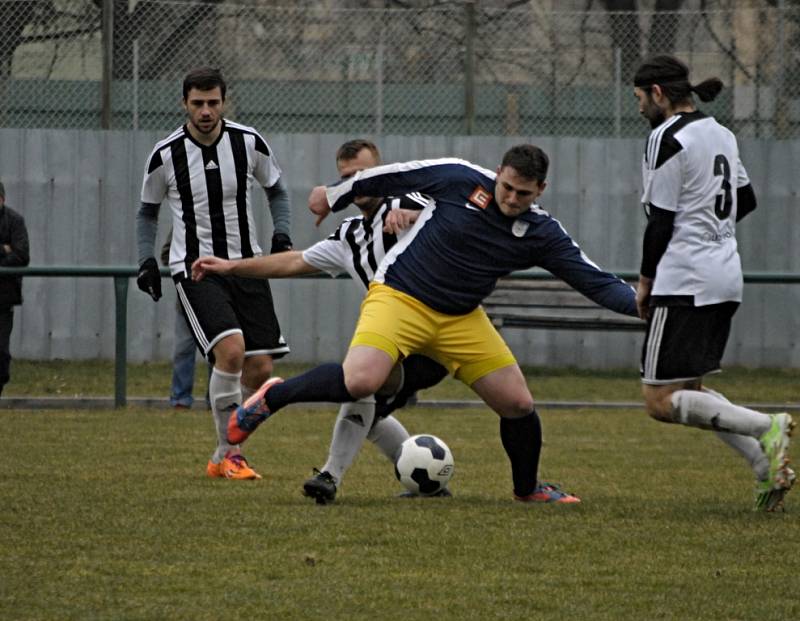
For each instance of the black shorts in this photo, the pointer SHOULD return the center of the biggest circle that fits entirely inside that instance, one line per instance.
(219, 306)
(684, 343)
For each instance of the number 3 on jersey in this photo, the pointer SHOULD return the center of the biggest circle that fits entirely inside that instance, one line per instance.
(723, 203)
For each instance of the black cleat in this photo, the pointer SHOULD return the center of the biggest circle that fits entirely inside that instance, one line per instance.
(321, 487)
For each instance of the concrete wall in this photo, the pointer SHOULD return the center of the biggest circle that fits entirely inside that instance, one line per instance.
(78, 191)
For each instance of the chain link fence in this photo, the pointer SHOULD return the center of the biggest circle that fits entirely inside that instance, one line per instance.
(542, 68)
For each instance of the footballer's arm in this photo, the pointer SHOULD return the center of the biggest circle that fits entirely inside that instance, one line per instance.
(281, 265)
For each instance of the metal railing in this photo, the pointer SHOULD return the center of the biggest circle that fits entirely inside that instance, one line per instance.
(122, 273)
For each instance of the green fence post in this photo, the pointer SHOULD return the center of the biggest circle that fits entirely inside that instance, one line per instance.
(121, 337)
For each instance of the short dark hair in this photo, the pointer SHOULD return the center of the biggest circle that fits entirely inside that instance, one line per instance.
(204, 79)
(528, 160)
(350, 149)
(672, 76)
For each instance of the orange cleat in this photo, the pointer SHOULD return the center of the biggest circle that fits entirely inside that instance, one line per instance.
(236, 467)
(213, 470)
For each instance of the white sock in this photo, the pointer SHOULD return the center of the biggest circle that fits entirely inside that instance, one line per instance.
(351, 428)
(706, 411)
(748, 447)
(388, 434)
(224, 390)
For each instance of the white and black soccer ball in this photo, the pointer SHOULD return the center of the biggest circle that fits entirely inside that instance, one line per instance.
(425, 464)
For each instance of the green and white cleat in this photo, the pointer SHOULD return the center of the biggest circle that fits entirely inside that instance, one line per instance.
(775, 443)
(768, 497)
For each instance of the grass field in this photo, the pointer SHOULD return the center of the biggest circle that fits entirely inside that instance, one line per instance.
(108, 515)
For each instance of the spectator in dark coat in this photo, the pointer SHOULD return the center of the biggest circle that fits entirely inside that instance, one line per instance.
(13, 253)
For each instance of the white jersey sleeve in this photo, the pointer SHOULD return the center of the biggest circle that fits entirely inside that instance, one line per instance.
(327, 255)
(663, 186)
(742, 179)
(154, 184)
(265, 166)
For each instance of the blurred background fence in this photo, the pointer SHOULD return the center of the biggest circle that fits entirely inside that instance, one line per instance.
(79, 193)
(552, 67)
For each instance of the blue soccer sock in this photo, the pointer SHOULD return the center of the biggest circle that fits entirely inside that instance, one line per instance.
(322, 383)
(522, 440)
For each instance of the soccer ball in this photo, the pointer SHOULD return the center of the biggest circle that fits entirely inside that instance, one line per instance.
(425, 464)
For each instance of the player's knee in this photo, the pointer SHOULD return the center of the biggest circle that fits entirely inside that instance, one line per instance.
(517, 407)
(229, 355)
(659, 407)
(362, 384)
(230, 363)
(523, 407)
(257, 370)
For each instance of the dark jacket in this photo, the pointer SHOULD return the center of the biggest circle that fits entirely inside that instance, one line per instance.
(13, 233)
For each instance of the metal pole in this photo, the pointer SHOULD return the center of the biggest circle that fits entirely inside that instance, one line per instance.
(121, 337)
(108, 63)
(379, 83)
(469, 68)
(617, 92)
(135, 98)
(781, 124)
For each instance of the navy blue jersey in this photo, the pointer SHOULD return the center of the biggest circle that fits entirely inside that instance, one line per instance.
(462, 243)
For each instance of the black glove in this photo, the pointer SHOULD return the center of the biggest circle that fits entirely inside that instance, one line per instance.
(149, 278)
(280, 243)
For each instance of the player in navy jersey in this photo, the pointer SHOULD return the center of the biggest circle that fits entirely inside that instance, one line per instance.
(205, 171)
(356, 247)
(427, 292)
(695, 191)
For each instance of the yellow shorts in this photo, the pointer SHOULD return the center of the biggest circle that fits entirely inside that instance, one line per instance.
(468, 345)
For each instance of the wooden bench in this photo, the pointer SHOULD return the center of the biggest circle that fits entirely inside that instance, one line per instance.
(550, 304)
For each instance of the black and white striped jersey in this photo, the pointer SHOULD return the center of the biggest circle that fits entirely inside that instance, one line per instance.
(207, 189)
(692, 167)
(359, 244)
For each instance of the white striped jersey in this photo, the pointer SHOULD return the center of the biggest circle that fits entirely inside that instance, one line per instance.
(359, 244)
(208, 191)
(692, 167)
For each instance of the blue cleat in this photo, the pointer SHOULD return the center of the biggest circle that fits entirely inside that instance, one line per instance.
(245, 419)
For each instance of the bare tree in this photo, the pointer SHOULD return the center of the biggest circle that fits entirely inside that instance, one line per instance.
(15, 18)
(626, 35)
(664, 27)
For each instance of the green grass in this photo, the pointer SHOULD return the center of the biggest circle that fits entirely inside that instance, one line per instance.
(108, 515)
(59, 378)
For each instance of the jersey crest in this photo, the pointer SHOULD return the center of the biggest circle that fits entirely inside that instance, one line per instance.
(480, 197)
(520, 227)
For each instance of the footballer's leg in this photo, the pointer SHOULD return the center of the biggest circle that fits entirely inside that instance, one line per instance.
(746, 446)
(256, 370)
(705, 410)
(364, 370)
(388, 434)
(666, 356)
(225, 394)
(208, 306)
(419, 372)
(349, 432)
(767, 498)
(506, 392)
